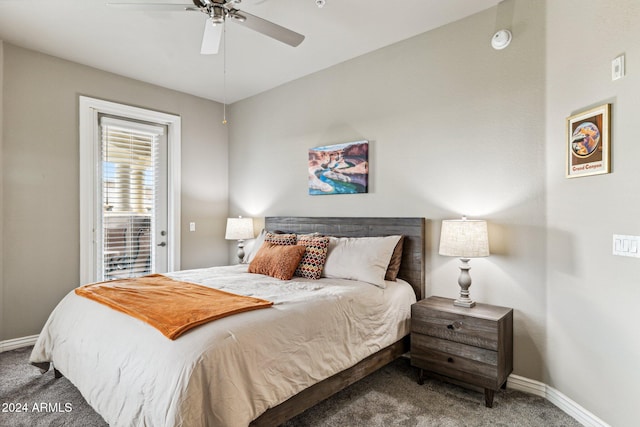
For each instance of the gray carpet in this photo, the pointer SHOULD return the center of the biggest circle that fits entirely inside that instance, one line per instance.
(389, 397)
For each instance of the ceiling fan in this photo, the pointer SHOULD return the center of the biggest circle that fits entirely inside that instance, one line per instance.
(219, 11)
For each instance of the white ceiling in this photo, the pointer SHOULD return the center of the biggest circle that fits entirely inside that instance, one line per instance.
(163, 48)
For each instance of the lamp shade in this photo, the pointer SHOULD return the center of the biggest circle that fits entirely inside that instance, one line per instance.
(464, 238)
(239, 229)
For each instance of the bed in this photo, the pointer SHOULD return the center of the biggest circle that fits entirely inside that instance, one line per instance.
(236, 371)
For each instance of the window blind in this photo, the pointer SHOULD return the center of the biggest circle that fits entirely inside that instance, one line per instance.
(129, 154)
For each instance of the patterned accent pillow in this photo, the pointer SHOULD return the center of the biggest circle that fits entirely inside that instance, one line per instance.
(279, 261)
(281, 239)
(314, 256)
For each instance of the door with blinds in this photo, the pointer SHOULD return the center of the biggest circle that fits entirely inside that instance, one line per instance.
(132, 223)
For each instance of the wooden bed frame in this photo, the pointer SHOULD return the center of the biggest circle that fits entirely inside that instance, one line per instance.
(412, 269)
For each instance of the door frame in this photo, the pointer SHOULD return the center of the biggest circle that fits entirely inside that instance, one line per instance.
(90, 109)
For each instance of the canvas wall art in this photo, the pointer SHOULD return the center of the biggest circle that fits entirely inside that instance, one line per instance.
(339, 168)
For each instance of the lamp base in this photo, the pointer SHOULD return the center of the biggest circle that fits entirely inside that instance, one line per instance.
(464, 281)
(240, 252)
(464, 302)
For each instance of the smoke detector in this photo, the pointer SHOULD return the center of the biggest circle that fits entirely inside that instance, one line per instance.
(501, 39)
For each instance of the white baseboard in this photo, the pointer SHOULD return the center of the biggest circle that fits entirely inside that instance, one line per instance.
(514, 382)
(17, 343)
(570, 407)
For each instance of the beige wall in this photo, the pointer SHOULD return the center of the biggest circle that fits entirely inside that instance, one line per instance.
(593, 315)
(456, 127)
(2, 312)
(40, 173)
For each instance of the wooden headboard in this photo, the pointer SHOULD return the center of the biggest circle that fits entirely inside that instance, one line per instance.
(412, 268)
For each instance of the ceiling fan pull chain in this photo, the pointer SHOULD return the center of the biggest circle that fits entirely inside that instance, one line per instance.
(224, 75)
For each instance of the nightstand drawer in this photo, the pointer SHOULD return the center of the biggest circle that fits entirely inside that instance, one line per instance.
(455, 327)
(459, 361)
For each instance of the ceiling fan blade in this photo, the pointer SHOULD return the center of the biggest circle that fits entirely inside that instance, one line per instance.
(211, 38)
(270, 29)
(154, 6)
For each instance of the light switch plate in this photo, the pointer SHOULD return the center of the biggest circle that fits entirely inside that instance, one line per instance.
(617, 68)
(624, 245)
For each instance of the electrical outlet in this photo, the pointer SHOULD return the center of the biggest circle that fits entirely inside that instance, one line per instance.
(192, 226)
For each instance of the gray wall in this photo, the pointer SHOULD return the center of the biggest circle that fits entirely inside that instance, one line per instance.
(40, 170)
(456, 127)
(592, 319)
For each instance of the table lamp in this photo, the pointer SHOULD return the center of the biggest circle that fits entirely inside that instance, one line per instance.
(239, 229)
(465, 239)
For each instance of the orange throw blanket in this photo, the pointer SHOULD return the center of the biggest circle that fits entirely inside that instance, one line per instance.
(171, 306)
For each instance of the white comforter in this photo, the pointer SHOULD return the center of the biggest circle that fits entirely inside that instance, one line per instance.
(226, 372)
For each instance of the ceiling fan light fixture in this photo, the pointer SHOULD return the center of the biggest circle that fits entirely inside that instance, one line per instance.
(217, 15)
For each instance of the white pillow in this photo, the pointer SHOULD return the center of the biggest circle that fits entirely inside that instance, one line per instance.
(360, 258)
(253, 246)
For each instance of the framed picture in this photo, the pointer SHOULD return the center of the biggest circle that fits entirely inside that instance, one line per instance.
(588, 143)
(339, 168)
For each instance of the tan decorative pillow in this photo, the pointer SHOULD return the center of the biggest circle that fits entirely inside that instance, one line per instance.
(394, 265)
(279, 261)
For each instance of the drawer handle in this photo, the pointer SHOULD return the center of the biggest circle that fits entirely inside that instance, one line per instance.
(450, 360)
(454, 325)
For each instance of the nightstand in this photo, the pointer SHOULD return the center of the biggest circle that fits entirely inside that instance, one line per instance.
(466, 346)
